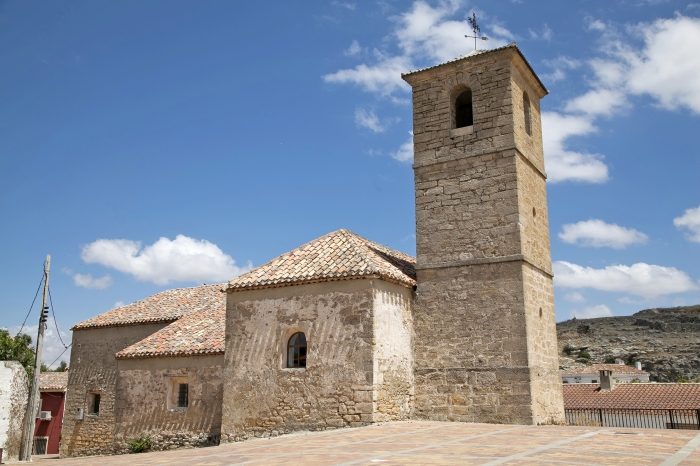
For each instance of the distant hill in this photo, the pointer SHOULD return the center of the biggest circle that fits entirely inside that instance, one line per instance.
(666, 341)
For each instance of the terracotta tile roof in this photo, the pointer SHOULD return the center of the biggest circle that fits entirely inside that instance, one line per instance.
(53, 381)
(633, 395)
(198, 333)
(162, 307)
(340, 255)
(596, 368)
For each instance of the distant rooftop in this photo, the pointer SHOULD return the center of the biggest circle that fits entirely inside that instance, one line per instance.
(633, 396)
(53, 381)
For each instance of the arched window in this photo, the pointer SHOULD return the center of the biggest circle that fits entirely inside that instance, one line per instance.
(462, 108)
(526, 110)
(296, 350)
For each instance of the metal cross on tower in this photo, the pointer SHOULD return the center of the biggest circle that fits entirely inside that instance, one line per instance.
(475, 28)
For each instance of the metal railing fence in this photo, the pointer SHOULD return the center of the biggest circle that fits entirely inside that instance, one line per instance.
(636, 418)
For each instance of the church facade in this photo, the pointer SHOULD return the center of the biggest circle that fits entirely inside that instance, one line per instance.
(345, 332)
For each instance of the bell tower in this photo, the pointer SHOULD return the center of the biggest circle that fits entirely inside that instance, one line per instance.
(485, 336)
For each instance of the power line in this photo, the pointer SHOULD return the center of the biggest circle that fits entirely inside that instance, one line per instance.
(54, 361)
(55, 322)
(32, 306)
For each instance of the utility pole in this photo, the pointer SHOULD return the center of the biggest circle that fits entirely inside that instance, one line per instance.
(34, 393)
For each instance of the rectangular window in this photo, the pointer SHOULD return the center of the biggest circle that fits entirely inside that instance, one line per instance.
(40, 444)
(182, 395)
(95, 404)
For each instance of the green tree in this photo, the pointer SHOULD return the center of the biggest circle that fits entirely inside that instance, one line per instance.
(17, 349)
(61, 367)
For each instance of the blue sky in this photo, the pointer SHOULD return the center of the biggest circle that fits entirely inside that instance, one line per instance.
(151, 145)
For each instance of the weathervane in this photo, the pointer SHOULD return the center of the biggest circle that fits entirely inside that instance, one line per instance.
(475, 28)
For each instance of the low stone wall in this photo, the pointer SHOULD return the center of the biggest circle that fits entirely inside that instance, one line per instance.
(162, 441)
(14, 392)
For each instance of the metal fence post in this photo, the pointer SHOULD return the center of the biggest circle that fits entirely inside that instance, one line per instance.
(600, 415)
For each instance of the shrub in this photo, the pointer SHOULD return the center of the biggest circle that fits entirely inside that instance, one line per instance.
(139, 445)
(584, 354)
(568, 349)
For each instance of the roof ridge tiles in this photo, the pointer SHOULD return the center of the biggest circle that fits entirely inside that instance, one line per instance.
(338, 255)
(165, 306)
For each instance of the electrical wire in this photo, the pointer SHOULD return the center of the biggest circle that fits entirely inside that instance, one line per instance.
(54, 361)
(32, 306)
(54, 320)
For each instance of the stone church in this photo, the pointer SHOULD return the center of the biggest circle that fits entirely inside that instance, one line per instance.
(343, 331)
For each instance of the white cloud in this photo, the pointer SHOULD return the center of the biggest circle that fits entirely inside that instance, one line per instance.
(383, 78)
(369, 120)
(596, 25)
(628, 300)
(592, 312)
(567, 165)
(596, 233)
(349, 6)
(53, 347)
(424, 35)
(405, 152)
(86, 281)
(559, 67)
(183, 259)
(645, 280)
(666, 67)
(545, 34)
(118, 304)
(575, 297)
(604, 102)
(691, 221)
(353, 50)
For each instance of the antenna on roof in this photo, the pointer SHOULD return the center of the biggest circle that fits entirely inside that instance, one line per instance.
(476, 29)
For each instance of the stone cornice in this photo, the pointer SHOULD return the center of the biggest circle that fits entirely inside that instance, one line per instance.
(484, 260)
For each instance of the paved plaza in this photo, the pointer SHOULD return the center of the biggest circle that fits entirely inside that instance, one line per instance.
(413, 443)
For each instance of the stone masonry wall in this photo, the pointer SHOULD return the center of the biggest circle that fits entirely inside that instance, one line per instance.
(93, 368)
(547, 396)
(483, 353)
(489, 78)
(336, 389)
(393, 352)
(470, 347)
(144, 406)
(467, 209)
(14, 393)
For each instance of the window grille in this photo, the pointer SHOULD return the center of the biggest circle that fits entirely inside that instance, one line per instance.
(296, 350)
(40, 445)
(182, 395)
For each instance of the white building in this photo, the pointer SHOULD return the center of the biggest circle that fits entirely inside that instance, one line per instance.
(591, 374)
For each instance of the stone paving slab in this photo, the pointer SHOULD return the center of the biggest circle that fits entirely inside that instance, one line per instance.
(414, 443)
